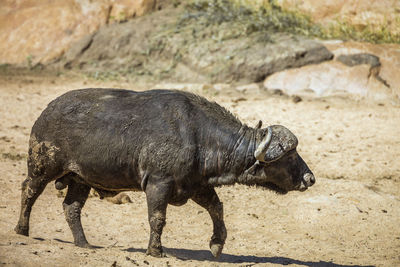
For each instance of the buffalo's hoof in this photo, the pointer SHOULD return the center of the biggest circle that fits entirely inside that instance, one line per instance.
(158, 253)
(85, 245)
(21, 230)
(216, 249)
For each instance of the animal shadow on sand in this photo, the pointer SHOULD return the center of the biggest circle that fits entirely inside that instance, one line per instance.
(67, 242)
(205, 255)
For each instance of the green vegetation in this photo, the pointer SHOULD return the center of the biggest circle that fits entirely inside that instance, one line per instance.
(266, 20)
(265, 17)
(4, 67)
(29, 59)
(346, 31)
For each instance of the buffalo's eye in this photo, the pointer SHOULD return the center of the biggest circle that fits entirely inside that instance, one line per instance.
(281, 147)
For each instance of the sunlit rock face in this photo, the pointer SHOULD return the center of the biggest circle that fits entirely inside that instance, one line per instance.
(389, 58)
(364, 70)
(38, 31)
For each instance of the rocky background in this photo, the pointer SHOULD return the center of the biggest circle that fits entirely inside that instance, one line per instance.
(286, 45)
(328, 70)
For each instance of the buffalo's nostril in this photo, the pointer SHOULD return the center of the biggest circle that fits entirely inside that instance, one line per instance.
(309, 179)
(312, 179)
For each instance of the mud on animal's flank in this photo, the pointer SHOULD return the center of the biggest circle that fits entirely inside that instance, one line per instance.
(40, 154)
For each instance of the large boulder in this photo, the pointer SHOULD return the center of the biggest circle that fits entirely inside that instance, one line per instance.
(34, 31)
(155, 46)
(38, 31)
(389, 57)
(363, 70)
(245, 60)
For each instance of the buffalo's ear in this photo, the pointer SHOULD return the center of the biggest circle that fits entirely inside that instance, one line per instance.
(259, 124)
(277, 142)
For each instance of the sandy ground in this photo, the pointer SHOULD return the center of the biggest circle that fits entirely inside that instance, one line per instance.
(350, 217)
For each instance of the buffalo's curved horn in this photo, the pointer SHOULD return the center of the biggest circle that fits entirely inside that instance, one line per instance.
(263, 146)
(259, 124)
(278, 141)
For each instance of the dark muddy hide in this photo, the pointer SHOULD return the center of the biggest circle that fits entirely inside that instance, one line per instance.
(172, 145)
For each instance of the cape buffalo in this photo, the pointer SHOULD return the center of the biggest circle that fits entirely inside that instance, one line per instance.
(173, 145)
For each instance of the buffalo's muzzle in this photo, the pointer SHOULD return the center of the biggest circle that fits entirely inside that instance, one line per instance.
(307, 181)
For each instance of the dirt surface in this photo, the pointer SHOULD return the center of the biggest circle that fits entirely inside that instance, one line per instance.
(350, 217)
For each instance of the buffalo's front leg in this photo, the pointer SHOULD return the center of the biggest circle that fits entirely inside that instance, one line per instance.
(158, 192)
(208, 199)
(73, 203)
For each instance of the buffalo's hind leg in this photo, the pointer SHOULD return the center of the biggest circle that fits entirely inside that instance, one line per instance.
(30, 191)
(158, 192)
(42, 169)
(208, 199)
(74, 201)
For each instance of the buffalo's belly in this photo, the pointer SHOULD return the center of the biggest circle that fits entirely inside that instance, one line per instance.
(107, 176)
(110, 182)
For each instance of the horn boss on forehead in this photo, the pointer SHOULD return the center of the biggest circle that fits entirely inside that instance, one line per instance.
(277, 142)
